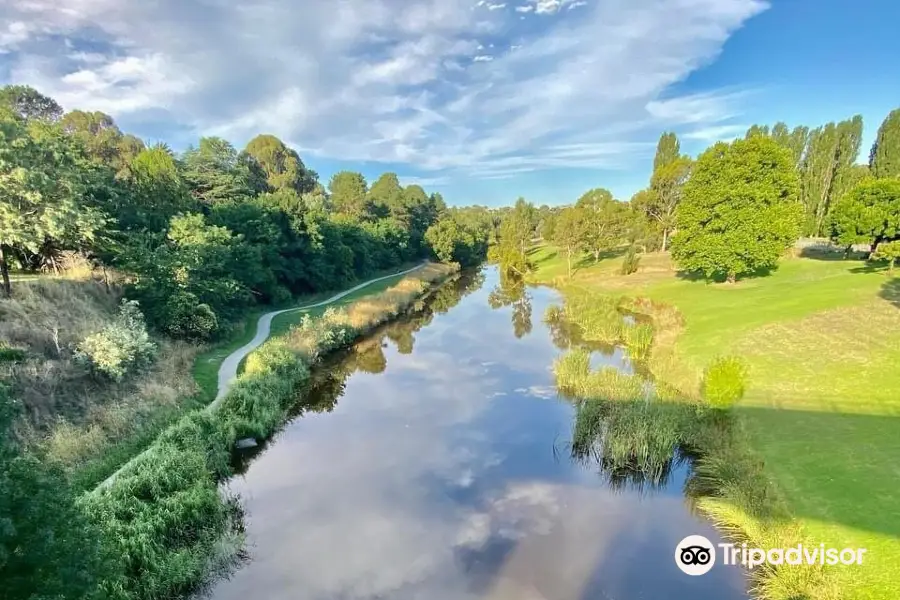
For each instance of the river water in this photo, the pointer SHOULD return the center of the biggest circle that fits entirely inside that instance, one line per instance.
(432, 462)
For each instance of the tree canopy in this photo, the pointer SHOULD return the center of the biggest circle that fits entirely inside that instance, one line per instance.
(740, 209)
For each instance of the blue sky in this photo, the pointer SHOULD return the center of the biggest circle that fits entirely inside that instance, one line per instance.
(481, 100)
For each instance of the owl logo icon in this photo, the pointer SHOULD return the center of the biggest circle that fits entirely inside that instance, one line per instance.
(695, 555)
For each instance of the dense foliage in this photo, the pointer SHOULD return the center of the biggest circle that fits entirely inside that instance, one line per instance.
(740, 210)
(203, 234)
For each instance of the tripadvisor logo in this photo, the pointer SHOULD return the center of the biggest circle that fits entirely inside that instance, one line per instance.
(696, 555)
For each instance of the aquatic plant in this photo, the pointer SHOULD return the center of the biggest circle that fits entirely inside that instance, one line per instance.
(638, 340)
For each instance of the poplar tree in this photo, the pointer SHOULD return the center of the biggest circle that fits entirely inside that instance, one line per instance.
(884, 159)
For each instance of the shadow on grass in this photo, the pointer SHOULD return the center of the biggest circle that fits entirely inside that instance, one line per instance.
(722, 277)
(832, 255)
(890, 291)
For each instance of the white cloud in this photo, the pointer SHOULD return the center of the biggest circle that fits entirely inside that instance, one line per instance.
(724, 133)
(496, 6)
(388, 80)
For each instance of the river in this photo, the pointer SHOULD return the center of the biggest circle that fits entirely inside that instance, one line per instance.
(432, 462)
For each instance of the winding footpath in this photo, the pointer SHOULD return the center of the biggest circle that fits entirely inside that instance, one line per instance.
(229, 369)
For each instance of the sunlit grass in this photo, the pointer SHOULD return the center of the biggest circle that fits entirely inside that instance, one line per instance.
(819, 420)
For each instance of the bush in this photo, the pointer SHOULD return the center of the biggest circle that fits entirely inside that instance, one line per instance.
(120, 347)
(187, 318)
(631, 261)
(723, 382)
(11, 355)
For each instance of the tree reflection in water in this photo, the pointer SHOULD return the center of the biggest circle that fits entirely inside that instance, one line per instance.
(512, 292)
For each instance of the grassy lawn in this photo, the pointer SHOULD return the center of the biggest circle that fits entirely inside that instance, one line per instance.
(206, 366)
(820, 338)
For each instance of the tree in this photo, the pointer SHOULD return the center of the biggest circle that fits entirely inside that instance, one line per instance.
(666, 186)
(157, 192)
(42, 191)
(826, 170)
(740, 209)
(568, 233)
(349, 195)
(667, 150)
(604, 221)
(103, 141)
(516, 231)
(889, 251)
(868, 214)
(386, 194)
(216, 172)
(884, 159)
(282, 165)
(794, 140)
(29, 104)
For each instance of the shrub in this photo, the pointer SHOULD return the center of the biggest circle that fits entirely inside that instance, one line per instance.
(631, 261)
(187, 318)
(723, 382)
(120, 347)
(11, 355)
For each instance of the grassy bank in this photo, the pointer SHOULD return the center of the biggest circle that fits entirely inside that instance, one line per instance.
(207, 363)
(164, 513)
(811, 450)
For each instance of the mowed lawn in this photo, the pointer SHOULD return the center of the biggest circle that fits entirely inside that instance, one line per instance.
(821, 339)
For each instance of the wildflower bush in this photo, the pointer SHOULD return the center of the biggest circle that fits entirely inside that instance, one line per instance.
(121, 347)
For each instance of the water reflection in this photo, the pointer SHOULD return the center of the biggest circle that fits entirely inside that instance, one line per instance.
(511, 291)
(437, 479)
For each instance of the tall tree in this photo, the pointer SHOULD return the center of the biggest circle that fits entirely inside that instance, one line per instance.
(349, 194)
(42, 191)
(516, 231)
(102, 139)
(157, 191)
(604, 222)
(216, 172)
(826, 169)
(282, 165)
(667, 150)
(884, 159)
(29, 104)
(568, 233)
(386, 194)
(740, 209)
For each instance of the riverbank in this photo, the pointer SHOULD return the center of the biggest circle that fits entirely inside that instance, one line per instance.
(810, 453)
(164, 514)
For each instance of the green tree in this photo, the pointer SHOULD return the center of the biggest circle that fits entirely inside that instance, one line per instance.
(889, 251)
(282, 165)
(794, 140)
(740, 209)
(42, 191)
(868, 214)
(604, 221)
(386, 195)
(516, 231)
(216, 172)
(349, 195)
(156, 192)
(827, 169)
(568, 233)
(667, 150)
(29, 104)
(102, 139)
(884, 159)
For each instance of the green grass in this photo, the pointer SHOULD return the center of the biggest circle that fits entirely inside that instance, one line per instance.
(206, 366)
(820, 340)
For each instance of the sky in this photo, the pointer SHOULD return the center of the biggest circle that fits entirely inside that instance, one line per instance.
(481, 100)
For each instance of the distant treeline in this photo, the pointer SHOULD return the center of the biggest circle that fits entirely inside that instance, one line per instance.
(202, 234)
